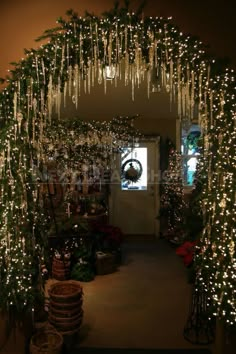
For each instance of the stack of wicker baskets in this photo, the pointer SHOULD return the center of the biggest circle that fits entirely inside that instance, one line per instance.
(65, 306)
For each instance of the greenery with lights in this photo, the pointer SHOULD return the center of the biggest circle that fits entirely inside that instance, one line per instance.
(76, 142)
(74, 59)
(172, 205)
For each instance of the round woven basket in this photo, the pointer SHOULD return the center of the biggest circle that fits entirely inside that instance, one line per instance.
(66, 291)
(47, 341)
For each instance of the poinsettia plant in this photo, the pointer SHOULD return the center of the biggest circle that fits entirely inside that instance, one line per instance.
(108, 237)
(186, 251)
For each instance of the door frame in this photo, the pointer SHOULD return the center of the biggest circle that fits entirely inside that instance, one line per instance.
(156, 185)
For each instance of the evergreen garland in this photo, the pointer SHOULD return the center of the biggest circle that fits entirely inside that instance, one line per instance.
(77, 52)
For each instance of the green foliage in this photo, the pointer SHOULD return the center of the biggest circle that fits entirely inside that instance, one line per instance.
(123, 12)
(83, 272)
(84, 262)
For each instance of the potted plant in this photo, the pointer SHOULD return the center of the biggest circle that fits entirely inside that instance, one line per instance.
(108, 239)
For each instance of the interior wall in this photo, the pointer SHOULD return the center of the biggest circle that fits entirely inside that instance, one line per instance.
(163, 127)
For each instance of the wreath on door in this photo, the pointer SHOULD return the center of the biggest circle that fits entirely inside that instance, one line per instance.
(131, 170)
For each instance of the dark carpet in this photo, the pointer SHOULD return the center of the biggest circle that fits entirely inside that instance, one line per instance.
(138, 351)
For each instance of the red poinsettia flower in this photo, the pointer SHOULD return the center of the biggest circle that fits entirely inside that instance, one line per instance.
(109, 236)
(186, 250)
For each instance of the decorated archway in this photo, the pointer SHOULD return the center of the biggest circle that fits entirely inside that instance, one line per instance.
(78, 54)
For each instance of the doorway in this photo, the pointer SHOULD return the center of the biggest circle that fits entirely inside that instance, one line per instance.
(134, 207)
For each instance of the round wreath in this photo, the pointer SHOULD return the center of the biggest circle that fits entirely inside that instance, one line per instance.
(133, 172)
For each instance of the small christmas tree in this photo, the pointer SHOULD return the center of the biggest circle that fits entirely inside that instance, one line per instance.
(172, 196)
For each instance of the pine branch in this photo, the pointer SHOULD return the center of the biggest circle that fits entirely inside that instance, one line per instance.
(69, 12)
(141, 7)
(50, 33)
(116, 12)
(89, 15)
(116, 5)
(127, 3)
(14, 63)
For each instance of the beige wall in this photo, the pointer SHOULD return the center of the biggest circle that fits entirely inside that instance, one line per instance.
(156, 114)
(166, 128)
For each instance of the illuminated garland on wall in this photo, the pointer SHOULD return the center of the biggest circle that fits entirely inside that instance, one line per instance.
(74, 59)
(78, 142)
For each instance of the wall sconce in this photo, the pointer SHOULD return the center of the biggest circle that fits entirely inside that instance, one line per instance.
(110, 72)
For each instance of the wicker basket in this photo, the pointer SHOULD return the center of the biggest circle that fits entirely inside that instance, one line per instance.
(46, 341)
(66, 291)
(65, 310)
(66, 325)
(60, 269)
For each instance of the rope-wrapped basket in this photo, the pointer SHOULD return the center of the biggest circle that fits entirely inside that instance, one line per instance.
(68, 290)
(46, 341)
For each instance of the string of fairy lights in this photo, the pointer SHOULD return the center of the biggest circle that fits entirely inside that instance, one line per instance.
(216, 257)
(73, 61)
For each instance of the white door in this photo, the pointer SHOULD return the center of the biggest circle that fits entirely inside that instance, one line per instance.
(134, 207)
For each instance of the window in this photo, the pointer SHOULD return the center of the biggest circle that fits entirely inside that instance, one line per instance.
(190, 153)
(134, 168)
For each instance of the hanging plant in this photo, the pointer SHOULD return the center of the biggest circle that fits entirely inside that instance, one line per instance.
(132, 170)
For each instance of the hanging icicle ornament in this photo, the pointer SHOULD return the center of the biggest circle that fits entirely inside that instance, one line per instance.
(50, 98)
(19, 118)
(232, 249)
